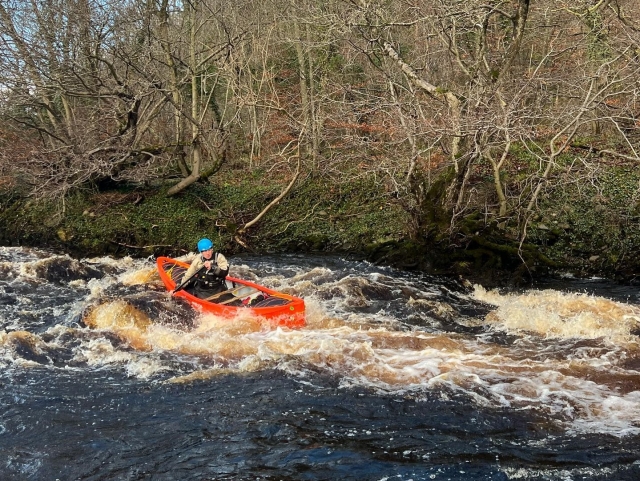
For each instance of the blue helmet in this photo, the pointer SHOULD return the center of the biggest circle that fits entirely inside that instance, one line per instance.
(204, 245)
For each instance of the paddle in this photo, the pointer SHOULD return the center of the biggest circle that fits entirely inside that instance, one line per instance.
(183, 285)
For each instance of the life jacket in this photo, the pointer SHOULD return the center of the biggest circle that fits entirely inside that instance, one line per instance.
(209, 279)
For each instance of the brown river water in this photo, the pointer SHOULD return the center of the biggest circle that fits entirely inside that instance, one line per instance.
(396, 376)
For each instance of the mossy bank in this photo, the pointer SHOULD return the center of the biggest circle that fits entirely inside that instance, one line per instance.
(584, 231)
(354, 218)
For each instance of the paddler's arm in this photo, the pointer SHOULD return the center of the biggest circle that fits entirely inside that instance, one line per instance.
(188, 258)
(223, 266)
(193, 268)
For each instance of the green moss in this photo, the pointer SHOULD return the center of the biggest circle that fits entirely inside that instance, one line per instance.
(575, 222)
(595, 219)
(343, 217)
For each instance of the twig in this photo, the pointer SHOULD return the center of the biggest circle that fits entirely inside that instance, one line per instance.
(138, 247)
(205, 204)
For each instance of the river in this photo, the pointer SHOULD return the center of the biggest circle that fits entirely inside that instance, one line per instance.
(396, 376)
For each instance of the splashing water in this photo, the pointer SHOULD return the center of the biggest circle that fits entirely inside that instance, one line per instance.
(565, 362)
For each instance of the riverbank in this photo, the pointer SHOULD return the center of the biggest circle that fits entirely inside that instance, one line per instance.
(592, 234)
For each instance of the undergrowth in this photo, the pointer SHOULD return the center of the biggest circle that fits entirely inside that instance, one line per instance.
(585, 225)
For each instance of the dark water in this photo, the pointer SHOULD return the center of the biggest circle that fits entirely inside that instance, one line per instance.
(395, 377)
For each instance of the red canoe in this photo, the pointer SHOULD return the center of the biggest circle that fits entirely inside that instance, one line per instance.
(242, 298)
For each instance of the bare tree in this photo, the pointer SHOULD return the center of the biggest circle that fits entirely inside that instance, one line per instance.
(92, 116)
(425, 98)
(506, 75)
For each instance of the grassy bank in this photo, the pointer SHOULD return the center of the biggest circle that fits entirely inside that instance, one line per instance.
(137, 221)
(590, 229)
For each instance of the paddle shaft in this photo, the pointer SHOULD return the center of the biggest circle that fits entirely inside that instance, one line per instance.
(181, 286)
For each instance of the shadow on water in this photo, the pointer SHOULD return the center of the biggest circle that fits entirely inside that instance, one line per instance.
(268, 426)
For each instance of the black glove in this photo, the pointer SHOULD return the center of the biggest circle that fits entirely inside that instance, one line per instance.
(220, 273)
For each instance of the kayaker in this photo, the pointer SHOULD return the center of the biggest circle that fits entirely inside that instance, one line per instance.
(207, 271)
